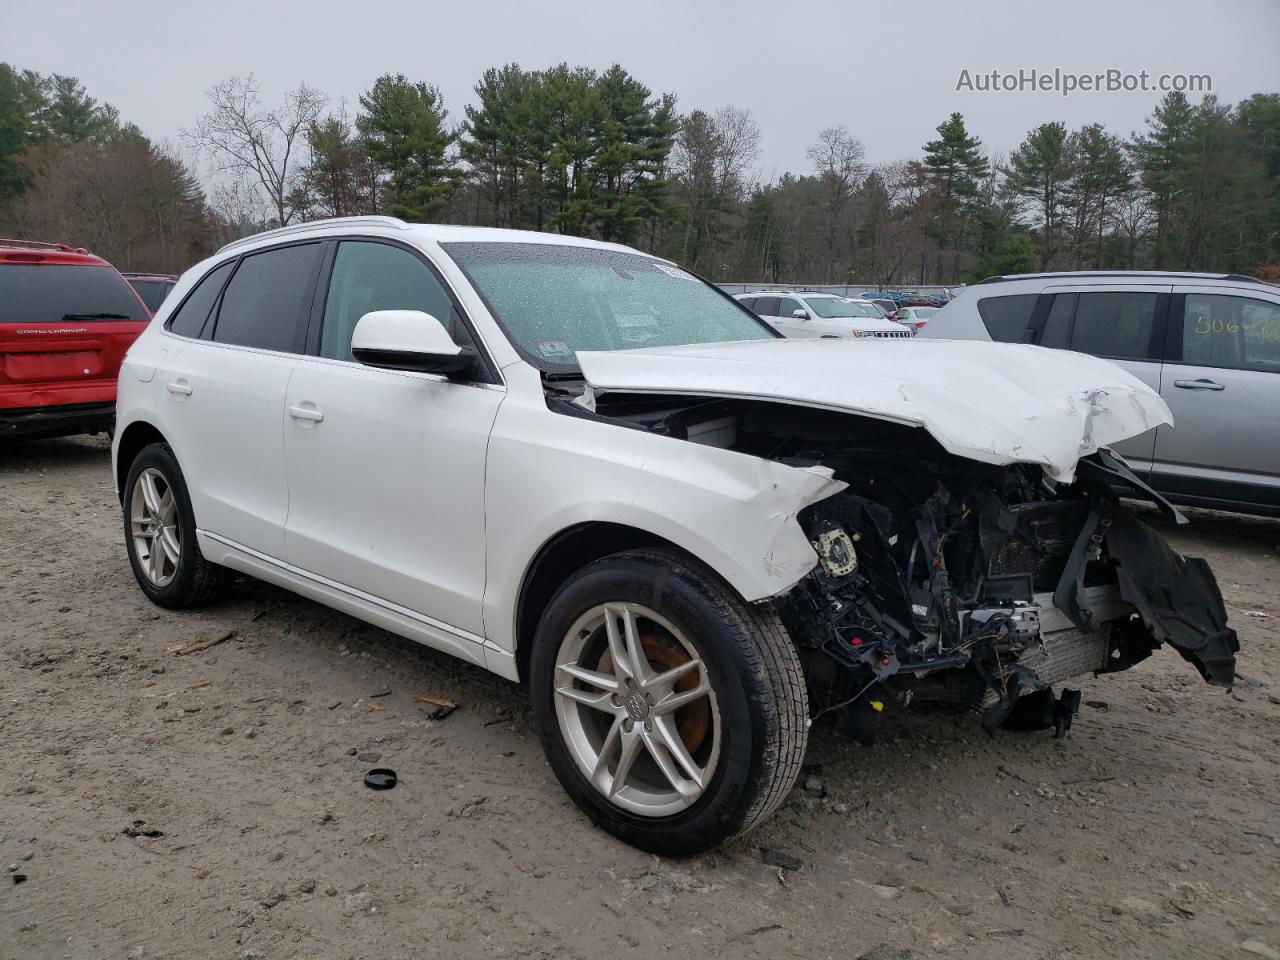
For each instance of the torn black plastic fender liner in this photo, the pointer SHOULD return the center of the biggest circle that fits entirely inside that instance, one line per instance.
(1177, 597)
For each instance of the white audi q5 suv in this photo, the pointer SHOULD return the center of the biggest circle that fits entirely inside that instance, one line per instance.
(583, 468)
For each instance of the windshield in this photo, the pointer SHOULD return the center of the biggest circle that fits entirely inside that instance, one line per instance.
(924, 313)
(833, 307)
(553, 300)
(51, 293)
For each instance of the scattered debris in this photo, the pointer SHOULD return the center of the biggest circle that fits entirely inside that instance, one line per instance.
(272, 899)
(200, 685)
(1097, 704)
(181, 651)
(1258, 614)
(19, 878)
(1012, 932)
(380, 779)
(307, 886)
(135, 830)
(445, 707)
(369, 756)
(815, 786)
(351, 751)
(380, 693)
(779, 858)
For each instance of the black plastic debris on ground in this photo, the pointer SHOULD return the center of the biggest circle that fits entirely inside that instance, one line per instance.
(381, 779)
(778, 858)
(135, 830)
(19, 878)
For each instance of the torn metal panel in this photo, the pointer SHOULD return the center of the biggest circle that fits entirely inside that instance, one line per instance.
(989, 402)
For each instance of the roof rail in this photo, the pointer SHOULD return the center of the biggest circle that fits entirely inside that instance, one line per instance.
(64, 247)
(1122, 274)
(311, 225)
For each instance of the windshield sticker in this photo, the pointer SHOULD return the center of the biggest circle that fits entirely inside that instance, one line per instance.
(555, 350)
(676, 272)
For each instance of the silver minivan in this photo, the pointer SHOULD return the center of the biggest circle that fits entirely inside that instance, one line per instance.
(1209, 343)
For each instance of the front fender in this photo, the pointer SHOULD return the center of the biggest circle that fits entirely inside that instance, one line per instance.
(548, 472)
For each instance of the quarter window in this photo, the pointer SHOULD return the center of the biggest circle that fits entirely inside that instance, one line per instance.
(1116, 324)
(267, 299)
(1235, 332)
(189, 319)
(377, 276)
(1006, 318)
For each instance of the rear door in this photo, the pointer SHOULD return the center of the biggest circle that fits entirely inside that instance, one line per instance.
(1222, 382)
(1124, 323)
(225, 390)
(64, 329)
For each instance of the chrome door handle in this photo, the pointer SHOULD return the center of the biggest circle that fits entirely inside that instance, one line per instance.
(306, 413)
(179, 387)
(1201, 384)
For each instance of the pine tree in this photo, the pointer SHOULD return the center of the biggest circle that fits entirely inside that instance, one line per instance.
(404, 129)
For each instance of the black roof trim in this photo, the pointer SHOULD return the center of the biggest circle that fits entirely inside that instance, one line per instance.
(1126, 275)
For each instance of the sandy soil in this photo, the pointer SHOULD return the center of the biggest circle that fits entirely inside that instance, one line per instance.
(1153, 831)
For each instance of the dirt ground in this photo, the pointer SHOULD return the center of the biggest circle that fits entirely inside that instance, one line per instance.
(1152, 831)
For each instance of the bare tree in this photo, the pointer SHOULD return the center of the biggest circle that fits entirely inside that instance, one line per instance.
(245, 139)
(737, 149)
(838, 157)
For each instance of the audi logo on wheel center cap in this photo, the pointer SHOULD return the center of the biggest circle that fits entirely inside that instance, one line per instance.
(637, 706)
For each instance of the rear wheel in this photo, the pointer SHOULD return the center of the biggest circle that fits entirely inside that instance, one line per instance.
(673, 713)
(160, 534)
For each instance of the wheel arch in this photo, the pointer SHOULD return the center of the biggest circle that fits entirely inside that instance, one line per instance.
(564, 554)
(136, 437)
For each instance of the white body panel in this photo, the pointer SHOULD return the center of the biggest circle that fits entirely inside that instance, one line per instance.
(418, 503)
(997, 403)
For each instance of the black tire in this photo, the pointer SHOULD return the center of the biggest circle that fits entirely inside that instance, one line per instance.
(752, 667)
(195, 581)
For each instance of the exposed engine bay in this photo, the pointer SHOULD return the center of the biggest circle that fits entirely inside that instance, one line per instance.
(949, 580)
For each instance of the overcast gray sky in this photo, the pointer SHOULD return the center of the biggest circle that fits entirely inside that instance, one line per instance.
(887, 69)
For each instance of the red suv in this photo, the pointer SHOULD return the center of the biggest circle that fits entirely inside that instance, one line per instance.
(66, 320)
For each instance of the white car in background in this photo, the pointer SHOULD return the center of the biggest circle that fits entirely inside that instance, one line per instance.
(915, 317)
(581, 467)
(795, 314)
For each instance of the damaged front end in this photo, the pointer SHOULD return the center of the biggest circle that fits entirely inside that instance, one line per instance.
(947, 580)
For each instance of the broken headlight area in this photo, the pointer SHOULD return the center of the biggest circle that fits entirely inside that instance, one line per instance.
(944, 580)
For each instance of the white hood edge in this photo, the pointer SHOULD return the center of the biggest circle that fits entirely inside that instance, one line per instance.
(996, 403)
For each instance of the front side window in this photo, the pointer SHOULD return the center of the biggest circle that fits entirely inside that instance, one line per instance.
(370, 276)
(1006, 318)
(1235, 332)
(1114, 324)
(787, 307)
(189, 319)
(266, 301)
(553, 300)
(63, 293)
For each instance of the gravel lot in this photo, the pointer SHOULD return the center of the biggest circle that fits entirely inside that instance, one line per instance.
(1153, 831)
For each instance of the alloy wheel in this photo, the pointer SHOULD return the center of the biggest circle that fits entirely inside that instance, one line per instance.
(153, 525)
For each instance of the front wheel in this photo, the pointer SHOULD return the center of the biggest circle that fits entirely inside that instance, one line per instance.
(672, 712)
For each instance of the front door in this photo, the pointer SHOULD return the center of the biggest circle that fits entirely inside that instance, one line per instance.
(386, 468)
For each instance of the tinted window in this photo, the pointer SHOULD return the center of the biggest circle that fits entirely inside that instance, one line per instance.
(152, 292)
(267, 298)
(377, 276)
(748, 302)
(766, 307)
(1006, 318)
(1057, 326)
(1114, 324)
(1235, 332)
(57, 293)
(190, 318)
(786, 307)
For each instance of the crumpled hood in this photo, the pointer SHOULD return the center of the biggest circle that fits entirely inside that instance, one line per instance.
(993, 402)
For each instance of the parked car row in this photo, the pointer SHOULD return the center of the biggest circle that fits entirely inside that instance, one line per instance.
(689, 526)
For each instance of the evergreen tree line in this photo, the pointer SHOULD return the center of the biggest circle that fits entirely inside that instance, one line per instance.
(600, 154)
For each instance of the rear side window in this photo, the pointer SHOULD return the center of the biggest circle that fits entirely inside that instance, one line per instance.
(1006, 318)
(266, 301)
(1239, 333)
(749, 303)
(189, 319)
(65, 293)
(1114, 324)
(152, 292)
(766, 307)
